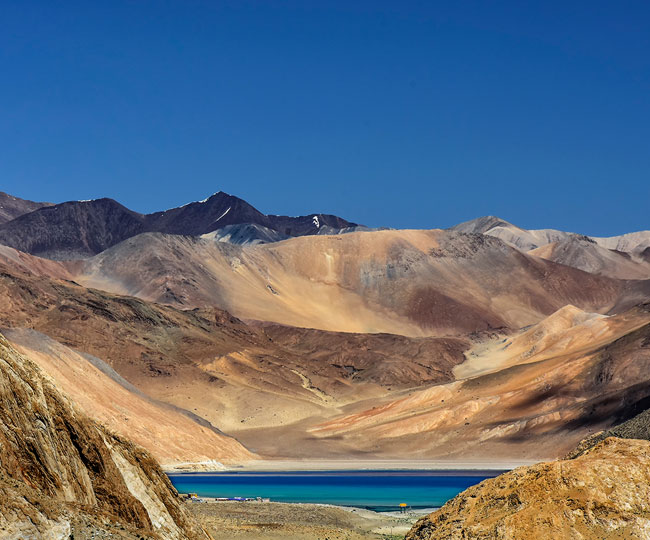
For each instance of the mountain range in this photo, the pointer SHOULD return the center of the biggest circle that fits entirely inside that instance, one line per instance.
(212, 334)
(78, 229)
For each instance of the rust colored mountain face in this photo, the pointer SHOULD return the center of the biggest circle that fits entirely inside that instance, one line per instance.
(603, 494)
(62, 473)
(385, 359)
(413, 283)
(13, 207)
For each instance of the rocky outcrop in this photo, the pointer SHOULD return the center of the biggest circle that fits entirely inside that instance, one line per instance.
(604, 493)
(64, 476)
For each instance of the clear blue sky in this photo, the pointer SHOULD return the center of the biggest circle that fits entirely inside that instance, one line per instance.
(404, 114)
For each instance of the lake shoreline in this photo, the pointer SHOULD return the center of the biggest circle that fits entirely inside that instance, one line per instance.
(379, 491)
(280, 466)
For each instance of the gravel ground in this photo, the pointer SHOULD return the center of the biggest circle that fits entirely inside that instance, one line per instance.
(283, 521)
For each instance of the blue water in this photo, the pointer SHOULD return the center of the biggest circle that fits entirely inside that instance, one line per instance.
(376, 490)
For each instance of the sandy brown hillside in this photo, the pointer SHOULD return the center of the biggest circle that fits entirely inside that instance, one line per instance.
(211, 364)
(533, 395)
(64, 476)
(407, 282)
(290, 392)
(173, 436)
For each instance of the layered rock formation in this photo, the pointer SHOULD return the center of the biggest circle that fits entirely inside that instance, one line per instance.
(603, 494)
(64, 476)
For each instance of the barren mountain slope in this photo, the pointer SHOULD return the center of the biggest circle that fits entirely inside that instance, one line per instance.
(585, 254)
(523, 239)
(407, 282)
(532, 395)
(212, 364)
(601, 495)
(12, 207)
(24, 262)
(284, 390)
(634, 242)
(172, 435)
(567, 331)
(64, 476)
(529, 239)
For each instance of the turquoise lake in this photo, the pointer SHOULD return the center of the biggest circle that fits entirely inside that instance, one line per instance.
(375, 490)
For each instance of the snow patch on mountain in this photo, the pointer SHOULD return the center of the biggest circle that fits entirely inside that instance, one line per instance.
(222, 215)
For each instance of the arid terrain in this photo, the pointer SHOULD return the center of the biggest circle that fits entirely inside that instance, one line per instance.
(600, 494)
(486, 339)
(275, 343)
(278, 521)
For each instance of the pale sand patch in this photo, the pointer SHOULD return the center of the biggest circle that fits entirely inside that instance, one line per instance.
(379, 465)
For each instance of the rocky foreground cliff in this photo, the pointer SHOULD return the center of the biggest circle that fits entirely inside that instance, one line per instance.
(64, 476)
(602, 494)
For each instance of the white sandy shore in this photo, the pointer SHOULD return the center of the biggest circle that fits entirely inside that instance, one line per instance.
(354, 465)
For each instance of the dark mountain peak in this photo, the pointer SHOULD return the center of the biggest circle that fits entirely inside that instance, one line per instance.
(200, 217)
(79, 229)
(222, 210)
(103, 204)
(73, 229)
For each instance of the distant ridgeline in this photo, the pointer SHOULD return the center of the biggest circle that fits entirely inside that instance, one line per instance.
(78, 229)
